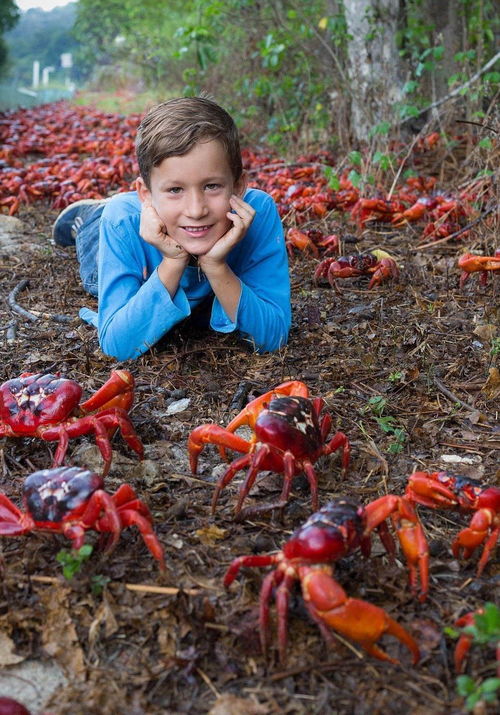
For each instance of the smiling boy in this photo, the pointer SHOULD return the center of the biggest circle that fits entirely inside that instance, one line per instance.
(191, 231)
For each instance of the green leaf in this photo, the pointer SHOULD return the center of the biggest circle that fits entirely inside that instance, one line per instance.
(354, 178)
(355, 158)
(486, 143)
(465, 685)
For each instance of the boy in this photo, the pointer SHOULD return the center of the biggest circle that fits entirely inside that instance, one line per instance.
(192, 230)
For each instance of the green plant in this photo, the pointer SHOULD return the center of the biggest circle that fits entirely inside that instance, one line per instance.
(474, 692)
(396, 376)
(483, 631)
(495, 346)
(73, 559)
(98, 583)
(387, 424)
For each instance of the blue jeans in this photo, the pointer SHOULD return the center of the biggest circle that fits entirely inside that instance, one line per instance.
(87, 247)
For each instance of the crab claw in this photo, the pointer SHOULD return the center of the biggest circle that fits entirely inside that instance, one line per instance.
(118, 391)
(358, 620)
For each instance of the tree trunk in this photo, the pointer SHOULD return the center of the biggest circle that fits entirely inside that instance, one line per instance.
(373, 63)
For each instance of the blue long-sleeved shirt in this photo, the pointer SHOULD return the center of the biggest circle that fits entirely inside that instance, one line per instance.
(135, 308)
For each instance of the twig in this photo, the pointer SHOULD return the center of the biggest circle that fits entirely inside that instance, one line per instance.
(457, 90)
(477, 124)
(35, 314)
(451, 396)
(7, 326)
(12, 297)
(140, 587)
(454, 235)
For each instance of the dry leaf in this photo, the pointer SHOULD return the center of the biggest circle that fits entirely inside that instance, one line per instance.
(228, 704)
(491, 387)
(104, 616)
(485, 332)
(59, 635)
(211, 534)
(7, 656)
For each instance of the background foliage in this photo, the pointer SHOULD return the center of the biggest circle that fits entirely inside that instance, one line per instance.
(281, 67)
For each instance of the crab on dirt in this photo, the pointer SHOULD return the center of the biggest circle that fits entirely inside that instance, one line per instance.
(289, 435)
(335, 531)
(379, 264)
(71, 501)
(469, 263)
(48, 406)
(440, 490)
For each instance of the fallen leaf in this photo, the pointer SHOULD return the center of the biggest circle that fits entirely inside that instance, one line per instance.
(211, 534)
(228, 704)
(486, 332)
(59, 635)
(104, 617)
(7, 655)
(491, 387)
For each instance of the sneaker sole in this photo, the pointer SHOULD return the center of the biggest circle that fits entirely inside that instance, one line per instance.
(77, 203)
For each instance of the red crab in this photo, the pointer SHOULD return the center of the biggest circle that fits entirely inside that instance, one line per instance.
(378, 264)
(469, 263)
(465, 641)
(440, 490)
(288, 437)
(71, 501)
(48, 406)
(333, 532)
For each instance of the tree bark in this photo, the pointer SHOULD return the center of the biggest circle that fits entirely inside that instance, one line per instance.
(374, 66)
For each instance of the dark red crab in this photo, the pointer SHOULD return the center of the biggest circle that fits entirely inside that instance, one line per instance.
(377, 264)
(335, 531)
(48, 406)
(440, 490)
(289, 436)
(72, 501)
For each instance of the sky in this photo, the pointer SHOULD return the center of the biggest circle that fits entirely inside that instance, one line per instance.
(43, 4)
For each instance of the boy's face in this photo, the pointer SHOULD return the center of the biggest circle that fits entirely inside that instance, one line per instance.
(190, 193)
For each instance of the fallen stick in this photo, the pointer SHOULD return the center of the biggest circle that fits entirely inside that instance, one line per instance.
(140, 587)
(33, 315)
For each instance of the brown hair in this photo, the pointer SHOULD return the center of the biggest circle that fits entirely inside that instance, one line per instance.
(173, 127)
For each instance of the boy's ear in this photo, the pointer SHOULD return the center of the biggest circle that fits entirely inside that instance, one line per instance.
(241, 185)
(143, 191)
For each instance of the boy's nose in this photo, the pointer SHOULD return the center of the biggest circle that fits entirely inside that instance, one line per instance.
(196, 205)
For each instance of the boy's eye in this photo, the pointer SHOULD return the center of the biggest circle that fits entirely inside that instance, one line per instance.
(213, 187)
(174, 190)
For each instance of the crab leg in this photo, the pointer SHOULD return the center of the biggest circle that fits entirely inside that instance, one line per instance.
(213, 434)
(12, 521)
(410, 534)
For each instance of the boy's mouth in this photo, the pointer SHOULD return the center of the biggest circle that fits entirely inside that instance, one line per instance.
(196, 230)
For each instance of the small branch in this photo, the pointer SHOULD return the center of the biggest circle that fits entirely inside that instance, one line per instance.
(140, 587)
(451, 396)
(35, 314)
(457, 90)
(454, 235)
(12, 298)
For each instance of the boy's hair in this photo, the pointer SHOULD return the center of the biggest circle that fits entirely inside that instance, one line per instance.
(173, 127)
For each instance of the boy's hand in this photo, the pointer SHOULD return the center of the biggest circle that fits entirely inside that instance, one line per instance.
(153, 231)
(241, 217)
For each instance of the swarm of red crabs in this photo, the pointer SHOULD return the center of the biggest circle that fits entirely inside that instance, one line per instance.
(289, 436)
(71, 501)
(48, 406)
(98, 157)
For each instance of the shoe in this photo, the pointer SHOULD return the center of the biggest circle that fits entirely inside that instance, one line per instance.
(72, 218)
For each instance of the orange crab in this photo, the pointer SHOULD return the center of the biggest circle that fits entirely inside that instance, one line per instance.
(288, 437)
(469, 263)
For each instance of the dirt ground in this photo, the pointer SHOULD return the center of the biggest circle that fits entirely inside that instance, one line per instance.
(421, 344)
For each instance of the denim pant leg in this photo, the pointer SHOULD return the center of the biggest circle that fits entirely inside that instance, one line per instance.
(87, 249)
